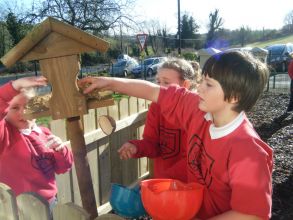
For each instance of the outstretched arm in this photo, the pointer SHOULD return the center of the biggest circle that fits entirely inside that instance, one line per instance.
(132, 87)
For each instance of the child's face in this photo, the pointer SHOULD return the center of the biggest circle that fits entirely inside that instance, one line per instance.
(15, 114)
(211, 96)
(166, 77)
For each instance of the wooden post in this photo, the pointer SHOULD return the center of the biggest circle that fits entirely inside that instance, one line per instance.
(75, 135)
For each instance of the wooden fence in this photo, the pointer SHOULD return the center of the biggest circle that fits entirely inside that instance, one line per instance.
(30, 206)
(105, 164)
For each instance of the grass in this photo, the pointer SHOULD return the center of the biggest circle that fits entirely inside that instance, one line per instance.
(282, 40)
(44, 121)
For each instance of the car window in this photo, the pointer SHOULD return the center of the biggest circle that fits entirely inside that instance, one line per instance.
(121, 63)
(156, 61)
(278, 49)
(148, 62)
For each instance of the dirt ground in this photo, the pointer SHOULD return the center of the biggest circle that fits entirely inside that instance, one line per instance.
(275, 126)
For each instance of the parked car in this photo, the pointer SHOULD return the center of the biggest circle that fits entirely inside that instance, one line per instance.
(123, 57)
(123, 67)
(149, 66)
(279, 56)
(153, 69)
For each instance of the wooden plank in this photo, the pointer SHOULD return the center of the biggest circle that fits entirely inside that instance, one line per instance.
(58, 128)
(146, 166)
(65, 187)
(105, 208)
(93, 158)
(76, 137)
(75, 188)
(109, 217)
(66, 100)
(136, 120)
(129, 167)
(32, 206)
(89, 121)
(115, 162)
(92, 103)
(113, 111)
(55, 45)
(104, 172)
(133, 105)
(70, 211)
(100, 112)
(141, 104)
(79, 35)
(123, 108)
(8, 207)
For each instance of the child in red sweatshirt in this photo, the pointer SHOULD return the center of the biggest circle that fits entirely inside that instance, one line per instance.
(29, 155)
(162, 141)
(224, 152)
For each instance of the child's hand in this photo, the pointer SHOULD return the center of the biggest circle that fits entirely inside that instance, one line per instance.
(27, 82)
(89, 84)
(127, 150)
(55, 143)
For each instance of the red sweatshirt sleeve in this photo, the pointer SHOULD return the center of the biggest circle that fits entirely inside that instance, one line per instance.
(149, 145)
(7, 92)
(63, 158)
(179, 106)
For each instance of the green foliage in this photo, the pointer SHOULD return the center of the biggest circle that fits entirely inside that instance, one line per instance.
(14, 27)
(189, 55)
(91, 59)
(44, 121)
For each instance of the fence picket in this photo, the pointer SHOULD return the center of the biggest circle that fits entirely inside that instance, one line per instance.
(69, 211)
(8, 207)
(32, 206)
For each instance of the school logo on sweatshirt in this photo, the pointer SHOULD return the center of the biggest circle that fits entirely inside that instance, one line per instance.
(170, 140)
(199, 162)
(41, 159)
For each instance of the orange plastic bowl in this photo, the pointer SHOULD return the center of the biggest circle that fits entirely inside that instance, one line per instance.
(166, 199)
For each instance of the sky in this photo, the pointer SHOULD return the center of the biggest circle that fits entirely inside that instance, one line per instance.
(255, 14)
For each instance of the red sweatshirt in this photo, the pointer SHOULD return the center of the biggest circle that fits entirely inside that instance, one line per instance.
(165, 143)
(232, 162)
(26, 165)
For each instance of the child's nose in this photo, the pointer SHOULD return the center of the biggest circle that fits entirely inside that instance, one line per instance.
(21, 111)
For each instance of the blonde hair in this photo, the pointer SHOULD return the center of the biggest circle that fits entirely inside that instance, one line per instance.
(181, 66)
(197, 71)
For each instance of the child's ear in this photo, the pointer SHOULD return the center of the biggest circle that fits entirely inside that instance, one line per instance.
(233, 100)
(186, 84)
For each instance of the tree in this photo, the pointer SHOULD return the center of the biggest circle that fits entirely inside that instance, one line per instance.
(244, 35)
(156, 36)
(90, 15)
(215, 24)
(14, 27)
(289, 22)
(189, 29)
